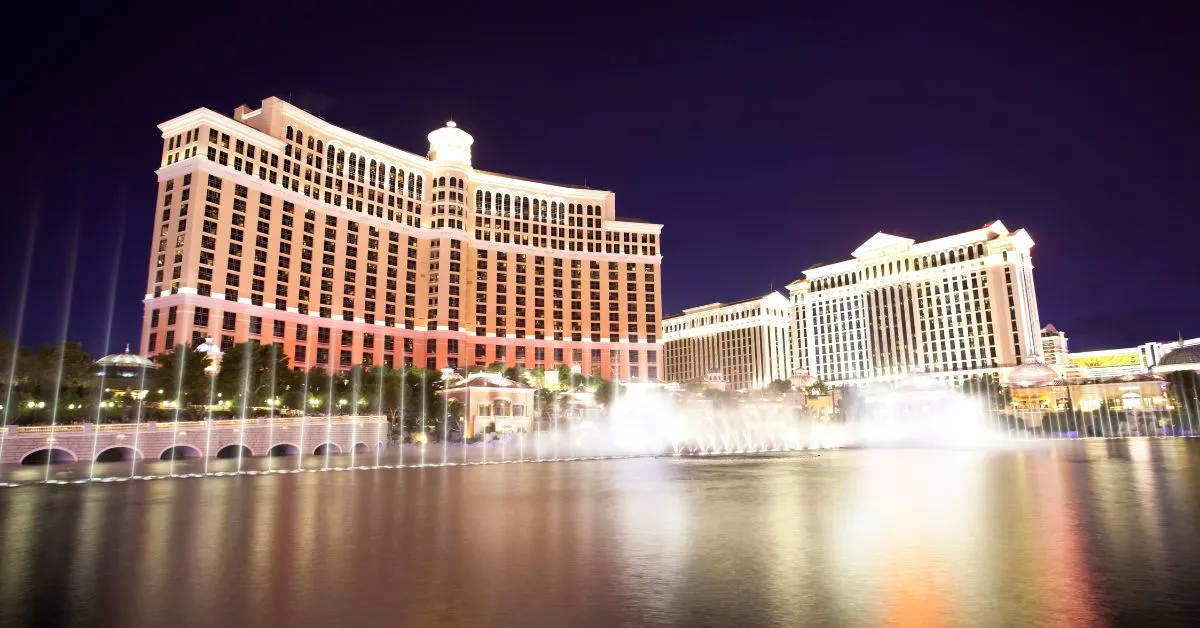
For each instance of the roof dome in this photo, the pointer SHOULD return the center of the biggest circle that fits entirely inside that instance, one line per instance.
(1182, 356)
(486, 380)
(450, 143)
(1032, 373)
(126, 360)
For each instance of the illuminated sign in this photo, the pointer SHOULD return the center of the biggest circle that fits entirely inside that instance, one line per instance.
(1110, 360)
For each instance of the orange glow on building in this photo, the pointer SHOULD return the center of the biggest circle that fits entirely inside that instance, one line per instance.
(276, 226)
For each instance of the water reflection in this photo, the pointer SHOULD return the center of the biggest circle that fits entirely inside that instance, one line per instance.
(1095, 533)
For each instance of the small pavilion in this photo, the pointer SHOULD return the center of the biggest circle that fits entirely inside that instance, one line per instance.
(492, 400)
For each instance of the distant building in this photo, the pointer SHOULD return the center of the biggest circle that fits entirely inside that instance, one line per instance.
(953, 307)
(1139, 360)
(1054, 348)
(1181, 357)
(1131, 392)
(742, 344)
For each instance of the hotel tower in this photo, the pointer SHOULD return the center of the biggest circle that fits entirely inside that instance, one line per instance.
(953, 307)
(744, 342)
(276, 226)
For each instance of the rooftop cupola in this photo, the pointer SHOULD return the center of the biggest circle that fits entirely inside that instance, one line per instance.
(451, 144)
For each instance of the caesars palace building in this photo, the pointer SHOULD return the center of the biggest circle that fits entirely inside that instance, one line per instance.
(279, 227)
(954, 307)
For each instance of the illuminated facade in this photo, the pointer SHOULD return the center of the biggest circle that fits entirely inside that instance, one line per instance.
(1054, 349)
(277, 226)
(745, 342)
(492, 402)
(953, 307)
(1138, 360)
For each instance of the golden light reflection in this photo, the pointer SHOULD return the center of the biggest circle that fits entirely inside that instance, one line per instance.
(155, 538)
(1062, 566)
(91, 529)
(913, 533)
(17, 542)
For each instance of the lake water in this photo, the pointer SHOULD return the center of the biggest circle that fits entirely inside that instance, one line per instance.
(1074, 533)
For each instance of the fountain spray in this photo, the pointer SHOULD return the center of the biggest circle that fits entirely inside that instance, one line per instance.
(108, 323)
(247, 350)
(67, 294)
(271, 409)
(16, 352)
(303, 422)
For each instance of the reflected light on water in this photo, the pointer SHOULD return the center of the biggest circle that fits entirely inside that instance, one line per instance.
(900, 537)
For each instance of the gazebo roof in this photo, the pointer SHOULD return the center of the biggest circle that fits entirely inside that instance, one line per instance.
(487, 380)
(126, 360)
(1032, 373)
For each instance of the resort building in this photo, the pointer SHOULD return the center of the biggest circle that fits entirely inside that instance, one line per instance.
(953, 307)
(743, 344)
(277, 226)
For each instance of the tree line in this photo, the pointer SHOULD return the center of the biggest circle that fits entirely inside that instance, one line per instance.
(253, 380)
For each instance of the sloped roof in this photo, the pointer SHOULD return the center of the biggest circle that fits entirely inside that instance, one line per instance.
(879, 241)
(487, 380)
(126, 360)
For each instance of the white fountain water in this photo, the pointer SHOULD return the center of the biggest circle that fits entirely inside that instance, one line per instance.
(248, 349)
(304, 403)
(355, 391)
(137, 430)
(922, 411)
(16, 342)
(328, 422)
(208, 415)
(182, 357)
(271, 408)
(108, 324)
(650, 423)
(424, 408)
(403, 417)
(380, 411)
(68, 294)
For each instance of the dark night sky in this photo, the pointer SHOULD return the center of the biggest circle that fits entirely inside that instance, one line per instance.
(764, 141)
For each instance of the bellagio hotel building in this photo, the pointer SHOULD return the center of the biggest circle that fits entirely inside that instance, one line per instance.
(953, 307)
(276, 226)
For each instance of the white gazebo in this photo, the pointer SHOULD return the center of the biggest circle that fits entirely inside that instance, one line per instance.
(490, 399)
